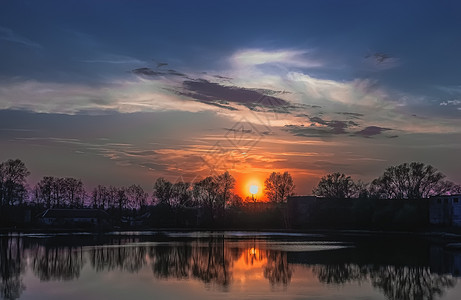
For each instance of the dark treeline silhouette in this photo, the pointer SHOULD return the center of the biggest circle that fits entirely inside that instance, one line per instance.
(213, 203)
(411, 181)
(405, 269)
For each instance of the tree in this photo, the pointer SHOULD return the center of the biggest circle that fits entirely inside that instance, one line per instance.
(335, 186)
(278, 187)
(99, 197)
(74, 193)
(137, 198)
(226, 183)
(206, 194)
(60, 192)
(43, 191)
(13, 175)
(411, 181)
(181, 195)
(121, 199)
(162, 191)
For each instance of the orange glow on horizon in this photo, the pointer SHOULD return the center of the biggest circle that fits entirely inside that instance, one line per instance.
(248, 183)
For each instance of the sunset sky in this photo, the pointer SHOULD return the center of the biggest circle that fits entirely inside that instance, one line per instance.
(123, 92)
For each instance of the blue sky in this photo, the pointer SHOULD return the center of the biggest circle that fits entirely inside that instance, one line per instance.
(319, 86)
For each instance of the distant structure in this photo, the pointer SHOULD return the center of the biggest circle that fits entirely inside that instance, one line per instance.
(301, 210)
(75, 218)
(445, 210)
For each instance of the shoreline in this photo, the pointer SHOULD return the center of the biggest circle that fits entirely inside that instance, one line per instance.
(445, 234)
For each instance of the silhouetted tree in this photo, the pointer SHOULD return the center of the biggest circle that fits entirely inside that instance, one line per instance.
(59, 192)
(162, 191)
(335, 186)
(410, 181)
(112, 195)
(225, 183)
(137, 198)
(181, 195)
(74, 193)
(13, 175)
(121, 199)
(99, 197)
(43, 191)
(206, 194)
(278, 187)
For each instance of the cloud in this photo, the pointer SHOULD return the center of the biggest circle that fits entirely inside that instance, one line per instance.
(9, 35)
(156, 73)
(450, 103)
(320, 127)
(289, 58)
(216, 94)
(334, 126)
(352, 115)
(371, 131)
(114, 59)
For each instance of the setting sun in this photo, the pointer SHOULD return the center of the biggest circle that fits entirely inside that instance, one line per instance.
(253, 189)
(251, 186)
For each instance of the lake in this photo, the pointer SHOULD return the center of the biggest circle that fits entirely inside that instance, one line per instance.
(226, 265)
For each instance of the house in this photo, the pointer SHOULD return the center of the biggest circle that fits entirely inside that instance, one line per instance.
(75, 218)
(138, 220)
(445, 210)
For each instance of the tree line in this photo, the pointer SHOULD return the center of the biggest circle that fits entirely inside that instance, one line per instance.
(213, 193)
(406, 181)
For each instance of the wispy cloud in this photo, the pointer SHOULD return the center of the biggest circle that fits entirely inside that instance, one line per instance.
(11, 36)
(290, 58)
(114, 59)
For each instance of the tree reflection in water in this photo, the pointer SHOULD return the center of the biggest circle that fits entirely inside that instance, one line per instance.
(57, 263)
(396, 282)
(216, 262)
(12, 266)
(277, 269)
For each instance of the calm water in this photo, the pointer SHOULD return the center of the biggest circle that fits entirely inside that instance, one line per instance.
(231, 265)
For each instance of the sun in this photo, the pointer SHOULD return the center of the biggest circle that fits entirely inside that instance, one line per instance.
(251, 187)
(254, 189)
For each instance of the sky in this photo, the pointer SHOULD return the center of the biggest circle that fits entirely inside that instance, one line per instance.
(122, 92)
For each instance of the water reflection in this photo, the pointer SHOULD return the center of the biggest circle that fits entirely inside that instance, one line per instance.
(219, 262)
(396, 282)
(12, 266)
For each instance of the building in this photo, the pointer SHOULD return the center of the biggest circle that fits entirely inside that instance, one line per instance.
(301, 210)
(445, 210)
(75, 218)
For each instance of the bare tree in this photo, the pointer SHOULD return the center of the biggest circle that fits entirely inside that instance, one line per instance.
(60, 192)
(13, 175)
(99, 197)
(226, 183)
(181, 195)
(74, 192)
(278, 187)
(137, 198)
(411, 181)
(162, 191)
(335, 186)
(206, 194)
(43, 191)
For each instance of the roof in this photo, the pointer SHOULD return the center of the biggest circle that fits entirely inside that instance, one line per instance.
(74, 213)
